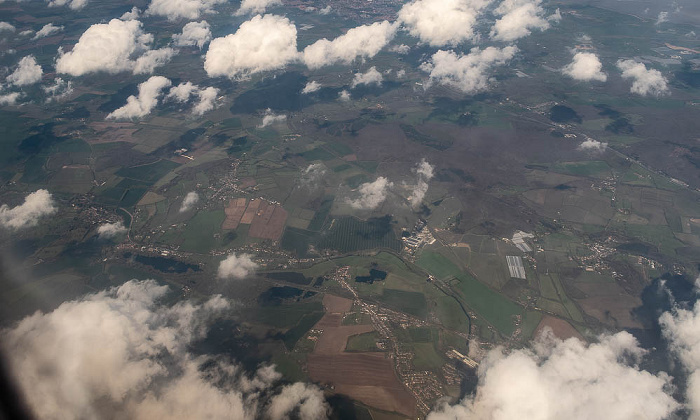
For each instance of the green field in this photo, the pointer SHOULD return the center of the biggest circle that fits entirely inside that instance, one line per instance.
(426, 357)
(198, 235)
(363, 342)
(410, 302)
(438, 265)
(149, 173)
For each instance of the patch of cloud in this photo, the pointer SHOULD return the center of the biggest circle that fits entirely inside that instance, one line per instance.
(359, 42)
(518, 19)
(271, 118)
(193, 33)
(311, 87)
(36, 205)
(442, 22)
(110, 230)
(9, 98)
(206, 102)
(188, 203)
(586, 67)
(112, 48)
(401, 73)
(132, 14)
(644, 81)
(182, 9)
(147, 99)
(566, 380)
(324, 11)
(344, 95)
(237, 266)
(402, 49)
(27, 72)
(261, 44)
(591, 145)
(256, 6)
(47, 30)
(424, 173)
(662, 18)
(468, 73)
(312, 175)
(60, 89)
(372, 194)
(27, 32)
(182, 92)
(122, 353)
(7, 27)
(370, 77)
(72, 4)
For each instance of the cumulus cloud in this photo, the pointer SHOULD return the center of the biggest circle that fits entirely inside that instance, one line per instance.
(662, 18)
(311, 87)
(360, 42)
(442, 22)
(112, 48)
(73, 4)
(518, 19)
(312, 175)
(256, 6)
(566, 380)
(370, 77)
(372, 194)
(182, 92)
(194, 33)
(424, 173)
(344, 96)
(191, 198)
(400, 49)
(27, 72)
(110, 230)
(236, 266)
(263, 43)
(206, 102)
(132, 14)
(271, 118)
(681, 328)
(585, 66)
(6, 26)
(644, 81)
(9, 98)
(121, 353)
(47, 30)
(179, 9)
(36, 205)
(142, 105)
(324, 11)
(467, 73)
(591, 145)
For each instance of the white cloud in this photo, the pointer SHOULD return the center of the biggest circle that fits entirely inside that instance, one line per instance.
(194, 33)
(263, 43)
(182, 92)
(6, 26)
(311, 87)
(566, 380)
(442, 22)
(644, 81)
(207, 97)
(122, 354)
(271, 118)
(424, 173)
(401, 73)
(46, 30)
(467, 73)
(26, 32)
(59, 90)
(311, 175)
(591, 145)
(585, 66)
(27, 72)
(110, 230)
(177, 9)
(132, 14)
(73, 4)
(256, 6)
(359, 42)
(400, 49)
(344, 96)
(236, 266)
(36, 205)
(142, 105)
(372, 194)
(370, 77)
(326, 10)
(662, 18)
(9, 98)
(112, 48)
(681, 328)
(191, 198)
(519, 17)
(152, 59)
